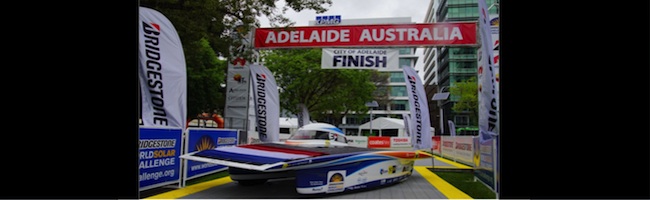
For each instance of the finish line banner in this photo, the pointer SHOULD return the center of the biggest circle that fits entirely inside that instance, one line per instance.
(378, 59)
(431, 34)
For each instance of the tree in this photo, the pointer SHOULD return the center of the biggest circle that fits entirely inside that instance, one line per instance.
(204, 80)
(204, 27)
(325, 92)
(215, 19)
(467, 93)
(382, 93)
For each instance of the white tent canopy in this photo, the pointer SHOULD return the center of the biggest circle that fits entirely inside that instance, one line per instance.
(383, 123)
(286, 122)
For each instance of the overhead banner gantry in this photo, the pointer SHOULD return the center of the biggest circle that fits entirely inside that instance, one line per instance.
(375, 35)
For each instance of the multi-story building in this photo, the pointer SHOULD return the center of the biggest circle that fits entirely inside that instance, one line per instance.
(398, 98)
(445, 66)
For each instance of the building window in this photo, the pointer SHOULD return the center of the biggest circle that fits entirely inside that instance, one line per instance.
(404, 61)
(397, 77)
(398, 91)
(463, 67)
(404, 51)
(381, 91)
(399, 105)
(462, 53)
(463, 12)
(351, 120)
(461, 120)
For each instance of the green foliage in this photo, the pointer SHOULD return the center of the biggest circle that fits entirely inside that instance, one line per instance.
(205, 29)
(215, 20)
(325, 92)
(205, 74)
(464, 181)
(467, 91)
(382, 93)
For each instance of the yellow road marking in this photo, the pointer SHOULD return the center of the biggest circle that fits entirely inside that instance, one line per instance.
(442, 167)
(452, 163)
(445, 188)
(181, 192)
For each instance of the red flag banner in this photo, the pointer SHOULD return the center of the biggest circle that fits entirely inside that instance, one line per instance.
(430, 34)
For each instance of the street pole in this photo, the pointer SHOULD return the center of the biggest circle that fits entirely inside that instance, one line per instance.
(371, 105)
(442, 124)
(371, 109)
(442, 118)
(433, 160)
(439, 97)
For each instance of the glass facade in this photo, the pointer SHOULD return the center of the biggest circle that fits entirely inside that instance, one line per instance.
(397, 77)
(462, 53)
(404, 61)
(456, 64)
(398, 91)
(399, 105)
(462, 12)
(405, 51)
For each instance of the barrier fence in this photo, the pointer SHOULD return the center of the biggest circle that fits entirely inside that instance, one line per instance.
(160, 148)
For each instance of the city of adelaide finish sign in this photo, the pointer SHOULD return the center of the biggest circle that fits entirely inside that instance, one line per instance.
(430, 34)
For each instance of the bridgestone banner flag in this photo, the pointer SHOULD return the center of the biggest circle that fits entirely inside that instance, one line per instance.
(267, 103)
(303, 115)
(452, 127)
(494, 28)
(419, 124)
(163, 79)
(407, 124)
(488, 118)
(382, 35)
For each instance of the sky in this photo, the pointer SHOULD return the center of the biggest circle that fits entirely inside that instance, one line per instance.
(361, 9)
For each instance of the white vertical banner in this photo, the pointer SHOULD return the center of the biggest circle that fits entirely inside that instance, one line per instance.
(303, 115)
(487, 93)
(407, 125)
(237, 84)
(494, 28)
(420, 126)
(267, 103)
(452, 127)
(162, 73)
